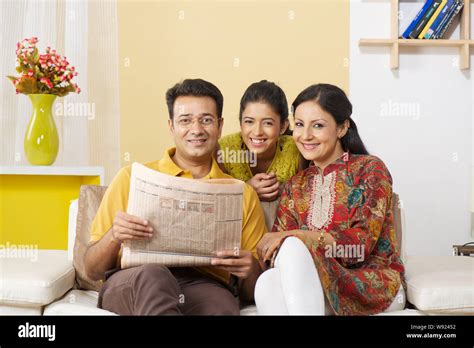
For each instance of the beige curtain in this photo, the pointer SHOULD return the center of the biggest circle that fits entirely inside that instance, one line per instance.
(86, 32)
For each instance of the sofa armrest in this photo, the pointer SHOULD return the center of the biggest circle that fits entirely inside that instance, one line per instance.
(71, 230)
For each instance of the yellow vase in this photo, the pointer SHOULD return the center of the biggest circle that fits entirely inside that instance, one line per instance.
(41, 138)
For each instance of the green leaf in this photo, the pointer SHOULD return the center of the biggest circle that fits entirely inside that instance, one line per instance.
(27, 85)
(35, 56)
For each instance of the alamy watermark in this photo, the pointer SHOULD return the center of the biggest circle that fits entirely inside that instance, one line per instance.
(37, 331)
(350, 251)
(394, 109)
(19, 251)
(75, 109)
(237, 156)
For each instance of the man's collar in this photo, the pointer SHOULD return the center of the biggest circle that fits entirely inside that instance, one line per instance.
(168, 166)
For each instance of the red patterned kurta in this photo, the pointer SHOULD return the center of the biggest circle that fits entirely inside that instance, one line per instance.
(362, 272)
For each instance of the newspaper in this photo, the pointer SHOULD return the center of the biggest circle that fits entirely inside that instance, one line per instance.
(191, 219)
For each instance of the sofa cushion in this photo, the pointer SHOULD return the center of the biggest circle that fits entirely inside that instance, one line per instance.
(21, 310)
(90, 197)
(402, 312)
(269, 211)
(441, 284)
(35, 281)
(249, 310)
(77, 302)
(82, 302)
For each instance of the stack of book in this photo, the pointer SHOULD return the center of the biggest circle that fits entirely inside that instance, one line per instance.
(433, 19)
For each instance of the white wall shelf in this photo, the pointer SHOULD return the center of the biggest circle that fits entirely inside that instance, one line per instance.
(395, 43)
(53, 170)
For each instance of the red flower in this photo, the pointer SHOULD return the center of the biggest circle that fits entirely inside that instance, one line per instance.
(47, 82)
(50, 69)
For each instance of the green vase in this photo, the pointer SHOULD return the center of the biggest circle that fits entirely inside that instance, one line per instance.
(41, 138)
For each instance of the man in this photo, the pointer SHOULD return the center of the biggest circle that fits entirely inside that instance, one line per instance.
(195, 123)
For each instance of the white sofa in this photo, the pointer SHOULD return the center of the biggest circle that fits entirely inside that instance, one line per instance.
(43, 285)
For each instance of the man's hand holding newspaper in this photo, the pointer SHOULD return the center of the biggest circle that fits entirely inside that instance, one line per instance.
(128, 227)
(182, 222)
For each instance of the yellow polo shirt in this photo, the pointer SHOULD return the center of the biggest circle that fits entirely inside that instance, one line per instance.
(116, 199)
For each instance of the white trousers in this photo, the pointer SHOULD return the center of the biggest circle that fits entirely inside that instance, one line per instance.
(293, 287)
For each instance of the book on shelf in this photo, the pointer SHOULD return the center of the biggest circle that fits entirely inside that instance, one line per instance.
(432, 19)
(425, 19)
(444, 21)
(449, 20)
(414, 22)
(444, 12)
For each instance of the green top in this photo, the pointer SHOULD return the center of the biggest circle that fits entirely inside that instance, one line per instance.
(236, 163)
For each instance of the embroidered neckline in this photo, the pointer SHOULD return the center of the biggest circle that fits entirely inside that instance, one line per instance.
(341, 160)
(321, 210)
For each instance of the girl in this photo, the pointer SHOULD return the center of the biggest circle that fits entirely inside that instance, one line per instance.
(263, 154)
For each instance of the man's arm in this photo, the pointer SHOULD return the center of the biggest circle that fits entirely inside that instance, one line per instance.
(244, 266)
(102, 255)
(247, 285)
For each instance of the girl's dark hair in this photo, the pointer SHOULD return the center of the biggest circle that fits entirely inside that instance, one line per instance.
(268, 93)
(333, 100)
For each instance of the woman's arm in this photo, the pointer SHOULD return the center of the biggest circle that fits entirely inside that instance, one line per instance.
(368, 203)
(271, 242)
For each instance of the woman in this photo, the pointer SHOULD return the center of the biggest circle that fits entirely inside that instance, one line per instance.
(334, 221)
(261, 154)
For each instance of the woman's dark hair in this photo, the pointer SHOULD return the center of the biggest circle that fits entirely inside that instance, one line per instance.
(333, 100)
(196, 88)
(268, 93)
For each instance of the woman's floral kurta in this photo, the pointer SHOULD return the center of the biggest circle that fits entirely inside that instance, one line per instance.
(352, 202)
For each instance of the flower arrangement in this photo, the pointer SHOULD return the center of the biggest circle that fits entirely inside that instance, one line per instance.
(47, 73)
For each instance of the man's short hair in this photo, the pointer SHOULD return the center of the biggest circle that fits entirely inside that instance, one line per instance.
(196, 88)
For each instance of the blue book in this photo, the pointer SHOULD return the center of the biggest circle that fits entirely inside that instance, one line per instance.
(421, 13)
(451, 18)
(442, 14)
(446, 19)
(426, 18)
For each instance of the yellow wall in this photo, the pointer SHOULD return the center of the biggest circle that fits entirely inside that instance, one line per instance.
(34, 209)
(230, 43)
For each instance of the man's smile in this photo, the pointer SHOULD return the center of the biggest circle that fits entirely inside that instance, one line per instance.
(198, 141)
